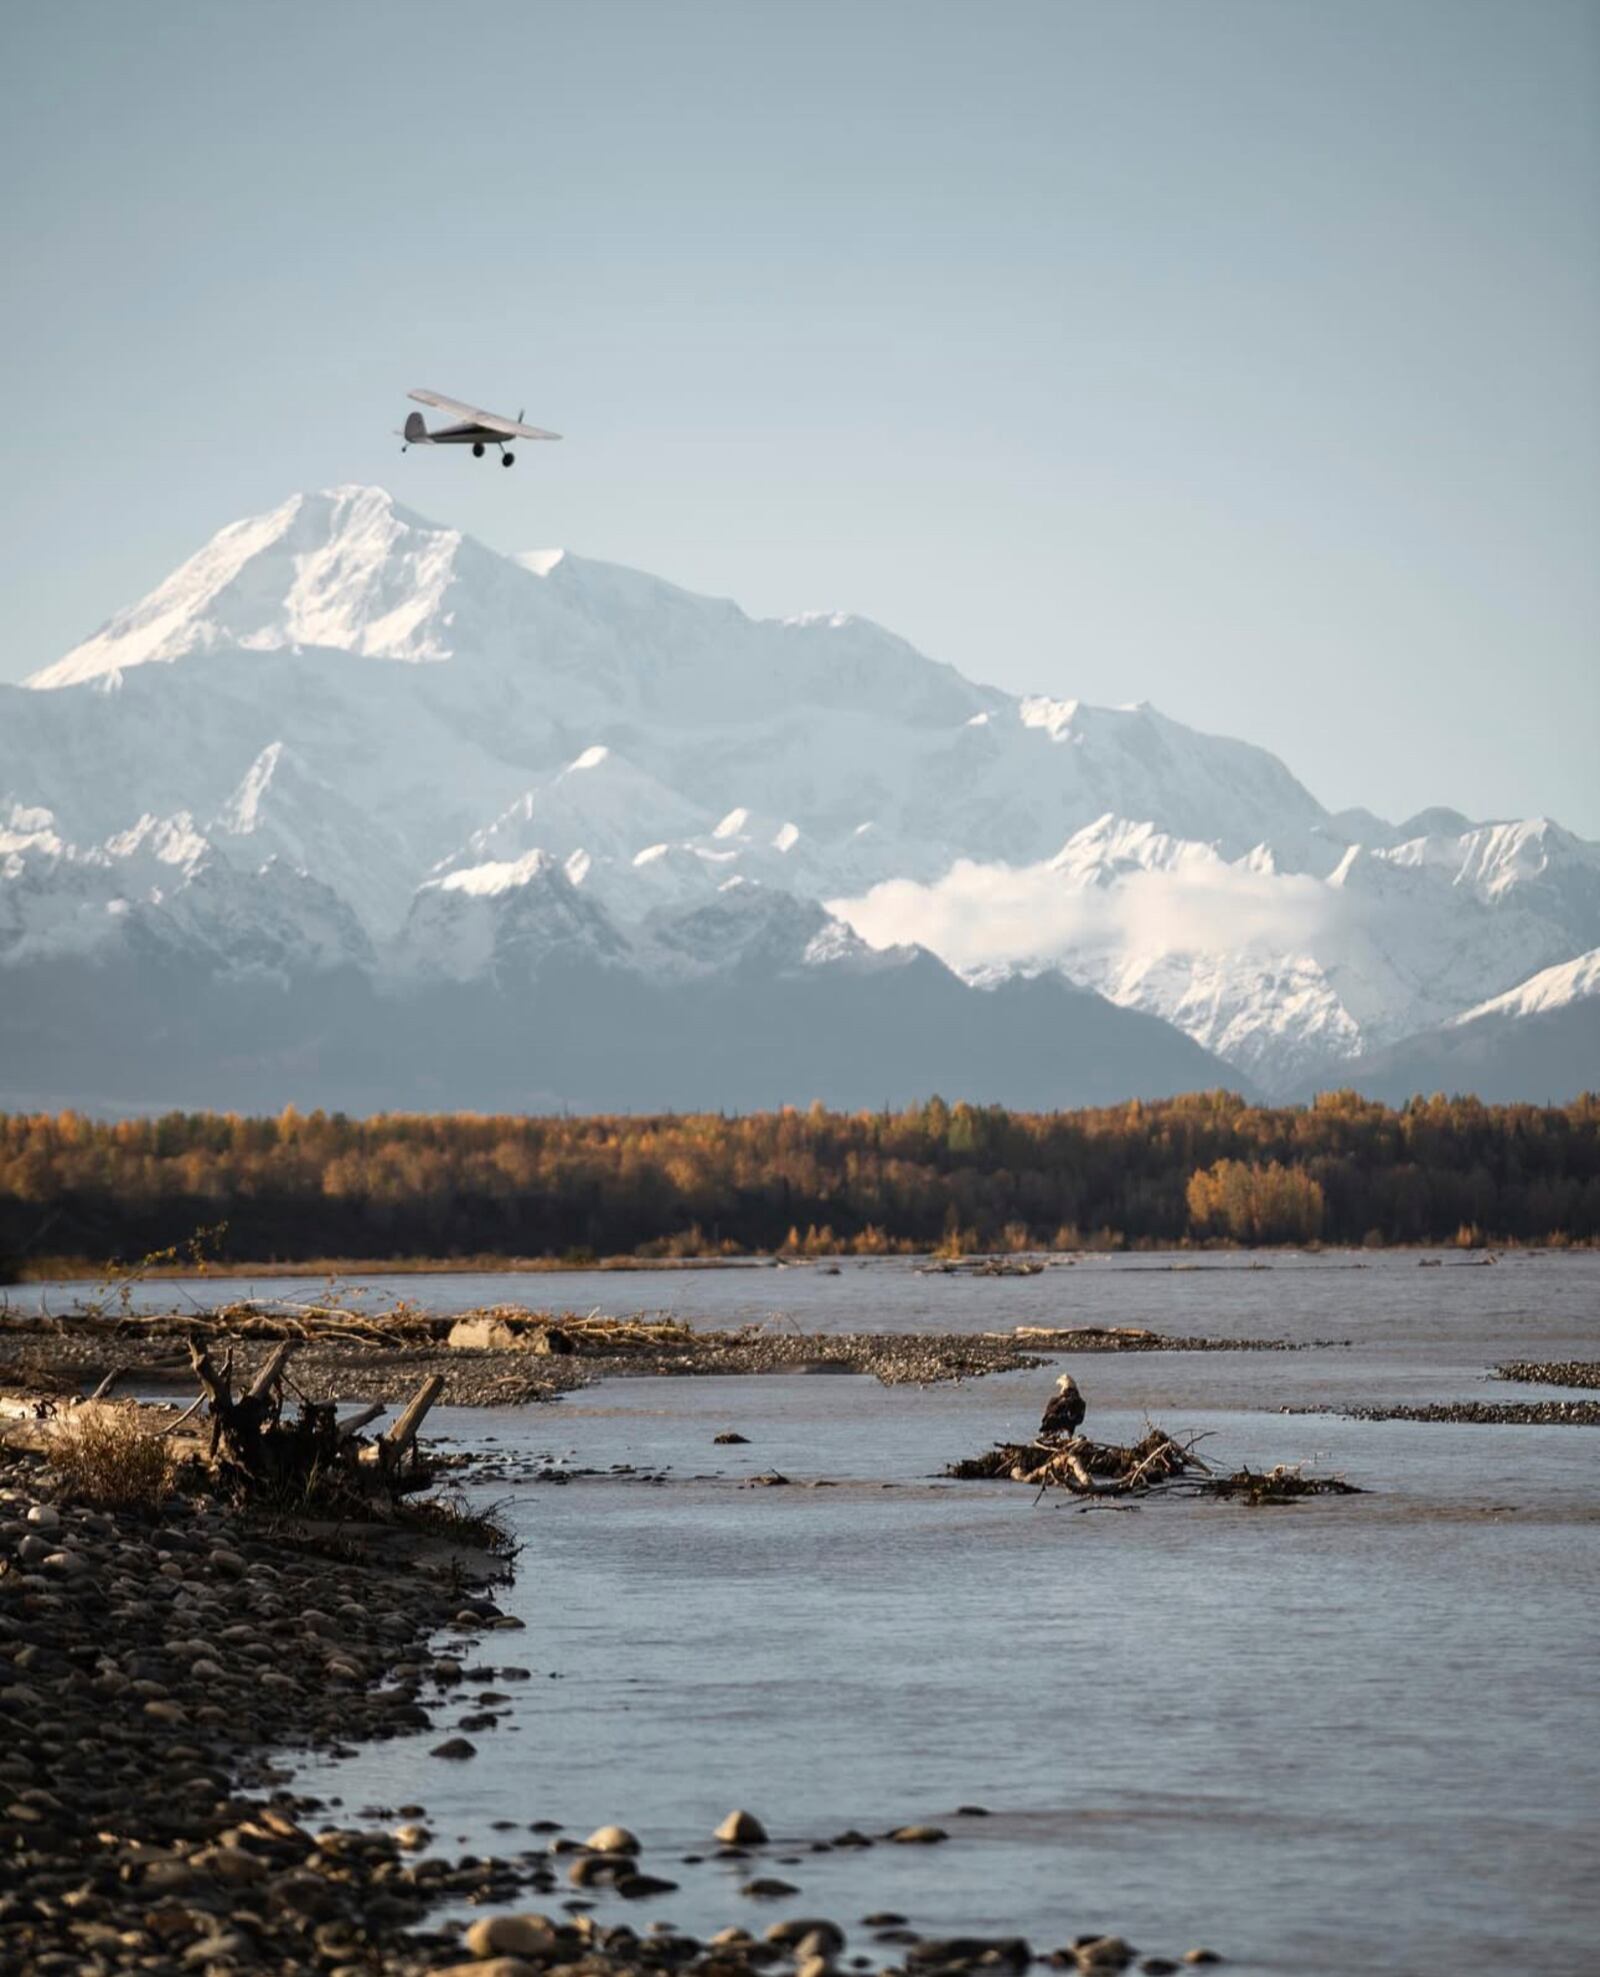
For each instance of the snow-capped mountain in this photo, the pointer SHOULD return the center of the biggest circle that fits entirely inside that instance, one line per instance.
(1542, 994)
(343, 743)
(1538, 1041)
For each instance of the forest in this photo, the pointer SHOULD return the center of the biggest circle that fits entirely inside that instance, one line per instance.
(1208, 1168)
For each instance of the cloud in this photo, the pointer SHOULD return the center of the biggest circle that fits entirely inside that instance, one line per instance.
(985, 916)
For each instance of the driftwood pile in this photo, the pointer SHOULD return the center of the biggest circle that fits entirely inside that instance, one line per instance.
(313, 1456)
(1158, 1462)
(333, 1322)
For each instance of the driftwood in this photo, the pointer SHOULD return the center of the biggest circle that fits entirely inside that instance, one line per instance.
(312, 1455)
(1160, 1461)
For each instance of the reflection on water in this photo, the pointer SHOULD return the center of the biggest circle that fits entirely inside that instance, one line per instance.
(1353, 1733)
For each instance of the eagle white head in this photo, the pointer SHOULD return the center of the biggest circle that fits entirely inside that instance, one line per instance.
(1065, 1384)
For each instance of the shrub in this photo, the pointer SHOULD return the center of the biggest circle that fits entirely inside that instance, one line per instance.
(111, 1458)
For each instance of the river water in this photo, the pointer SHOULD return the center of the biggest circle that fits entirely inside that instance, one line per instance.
(1356, 1733)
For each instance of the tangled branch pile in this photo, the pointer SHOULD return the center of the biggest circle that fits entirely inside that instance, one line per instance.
(1159, 1461)
(1086, 1467)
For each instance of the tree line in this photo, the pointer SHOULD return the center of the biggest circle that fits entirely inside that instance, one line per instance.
(1207, 1167)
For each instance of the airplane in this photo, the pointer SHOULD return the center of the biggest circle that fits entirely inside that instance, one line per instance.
(478, 429)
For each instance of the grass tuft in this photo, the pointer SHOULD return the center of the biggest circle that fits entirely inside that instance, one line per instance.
(111, 1458)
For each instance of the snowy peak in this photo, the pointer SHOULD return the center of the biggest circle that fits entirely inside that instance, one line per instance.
(1552, 988)
(752, 927)
(600, 804)
(505, 921)
(348, 569)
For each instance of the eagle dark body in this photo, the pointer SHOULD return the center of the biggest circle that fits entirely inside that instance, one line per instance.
(1064, 1412)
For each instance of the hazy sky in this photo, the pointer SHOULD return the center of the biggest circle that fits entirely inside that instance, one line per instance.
(1238, 355)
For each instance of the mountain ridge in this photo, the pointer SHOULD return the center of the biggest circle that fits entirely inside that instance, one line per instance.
(345, 694)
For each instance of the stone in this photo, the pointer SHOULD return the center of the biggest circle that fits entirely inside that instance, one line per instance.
(768, 1887)
(634, 1887)
(482, 1335)
(919, 1836)
(801, 1928)
(612, 1839)
(494, 1966)
(510, 1935)
(1201, 1956)
(588, 1869)
(454, 1747)
(412, 1839)
(44, 1517)
(741, 1829)
(1104, 1953)
(993, 1952)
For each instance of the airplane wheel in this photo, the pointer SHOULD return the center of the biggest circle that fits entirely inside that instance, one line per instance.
(506, 459)
(477, 449)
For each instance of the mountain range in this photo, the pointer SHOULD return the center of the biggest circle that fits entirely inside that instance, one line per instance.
(354, 810)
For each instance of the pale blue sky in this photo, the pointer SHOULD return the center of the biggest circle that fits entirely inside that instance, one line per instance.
(1238, 355)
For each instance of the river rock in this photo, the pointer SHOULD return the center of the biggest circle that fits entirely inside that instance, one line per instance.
(800, 1928)
(511, 1935)
(454, 1747)
(612, 1839)
(634, 1887)
(494, 1966)
(1104, 1953)
(919, 1836)
(588, 1870)
(741, 1829)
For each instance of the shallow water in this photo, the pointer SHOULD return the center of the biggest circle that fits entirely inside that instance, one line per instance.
(1378, 1296)
(1352, 1733)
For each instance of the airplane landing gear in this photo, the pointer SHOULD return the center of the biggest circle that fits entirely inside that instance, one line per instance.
(477, 449)
(506, 459)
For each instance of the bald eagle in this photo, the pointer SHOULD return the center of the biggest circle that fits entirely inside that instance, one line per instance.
(1064, 1411)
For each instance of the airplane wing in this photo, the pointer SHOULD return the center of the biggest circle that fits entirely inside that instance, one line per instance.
(491, 421)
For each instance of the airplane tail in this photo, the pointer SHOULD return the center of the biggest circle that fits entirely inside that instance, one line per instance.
(416, 426)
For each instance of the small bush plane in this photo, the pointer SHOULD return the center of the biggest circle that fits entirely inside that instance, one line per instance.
(477, 429)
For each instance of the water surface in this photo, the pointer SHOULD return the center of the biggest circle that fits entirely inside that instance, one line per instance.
(1355, 1733)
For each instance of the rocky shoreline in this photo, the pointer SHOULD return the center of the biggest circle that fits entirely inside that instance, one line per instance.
(1551, 1372)
(148, 1665)
(152, 1663)
(1481, 1413)
(74, 1356)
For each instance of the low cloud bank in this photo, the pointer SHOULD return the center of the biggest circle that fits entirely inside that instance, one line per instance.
(980, 916)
